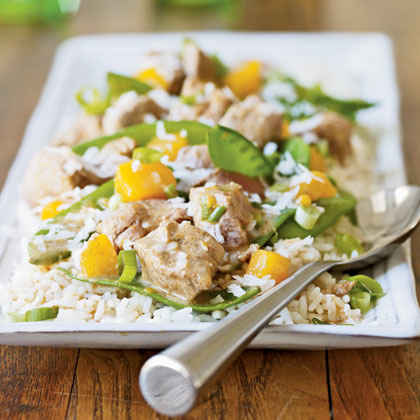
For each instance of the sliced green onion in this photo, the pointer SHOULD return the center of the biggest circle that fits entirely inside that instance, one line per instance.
(97, 104)
(171, 191)
(360, 300)
(205, 209)
(346, 244)
(307, 216)
(35, 315)
(365, 292)
(145, 291)
(127, 264)
(188, 100)
(278, 187)
(147, 155)
(217, 213)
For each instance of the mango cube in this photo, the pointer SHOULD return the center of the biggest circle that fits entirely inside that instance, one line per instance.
(153, 78)
(245, 80)
(319, 187)
(99, 258)
(270, 263)
(51, 210)
(135, 181)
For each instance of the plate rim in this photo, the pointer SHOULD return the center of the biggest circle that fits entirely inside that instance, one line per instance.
(63, 55)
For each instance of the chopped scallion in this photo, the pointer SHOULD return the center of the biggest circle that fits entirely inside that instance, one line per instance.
(127, 264)
(35, 315)
(205, 209)
(147, 155)
(216, 214)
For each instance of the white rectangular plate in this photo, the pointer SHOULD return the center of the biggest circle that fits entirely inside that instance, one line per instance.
(359, 64)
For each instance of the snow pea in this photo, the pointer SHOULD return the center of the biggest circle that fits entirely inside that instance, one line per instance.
(299, 150)
(145, 291)
(143, 133)
(335, 207)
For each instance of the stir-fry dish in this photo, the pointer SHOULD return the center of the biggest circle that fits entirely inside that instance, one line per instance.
(185, 190)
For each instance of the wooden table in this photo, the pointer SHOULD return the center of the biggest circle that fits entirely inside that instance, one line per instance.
(347, 384)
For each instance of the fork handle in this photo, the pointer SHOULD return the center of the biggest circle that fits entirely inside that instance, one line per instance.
(171, 380)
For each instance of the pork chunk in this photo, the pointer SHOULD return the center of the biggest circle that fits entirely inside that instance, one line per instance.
(212, 105)
(53, 171)
(169, 66)
(85, 128)
(180, 259)
(183, 112)
(197, 64)
(129, 109)
(193, 87)
(132, 221)
(123, 146)
(258, 121)
(251, 185)
(231, 229)
(337, 131)
(218, 103)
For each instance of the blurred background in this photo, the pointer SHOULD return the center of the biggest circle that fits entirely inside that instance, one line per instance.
(30, 31)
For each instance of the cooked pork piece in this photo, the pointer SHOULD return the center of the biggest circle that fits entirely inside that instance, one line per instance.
(212, 106)
(337, 131)
(197, 64)
(330, 126)
(169, 66)
(219, 102)
(251, 185)
(231, 228)
(183, 112)
(256, 120)
(85, 128)
(129, 109)
(194, 157)
(123, 146)
(193, 87)
(53, 171)
(198, 157)
(179, 258)
(132, 221)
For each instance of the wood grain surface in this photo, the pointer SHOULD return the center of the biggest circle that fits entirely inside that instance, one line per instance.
(48, 383)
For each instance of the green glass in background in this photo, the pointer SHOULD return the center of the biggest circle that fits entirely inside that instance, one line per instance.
(36, 11)
(228, 10)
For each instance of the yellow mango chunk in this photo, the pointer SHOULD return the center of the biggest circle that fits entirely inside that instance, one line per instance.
(99, 258)
(319, 187)
(169, 147)
(245, 80)
(317, 161)
(51, 210)
(153, 78)
(270, 263)
(136, 181)
(304, 200)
